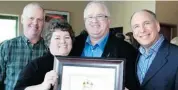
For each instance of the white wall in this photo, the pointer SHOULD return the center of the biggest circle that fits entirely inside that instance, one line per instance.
(116, 10)
(131, 6)
(121, 11)
(75, 8)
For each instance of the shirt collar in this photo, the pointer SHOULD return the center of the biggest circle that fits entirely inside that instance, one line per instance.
(25, 39)
(101, 43)
(28, 42)
(154, 47)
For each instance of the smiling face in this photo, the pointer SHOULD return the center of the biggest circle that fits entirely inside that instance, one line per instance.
(33, 21)
(145, 28)
(61, 43)
(96, 21)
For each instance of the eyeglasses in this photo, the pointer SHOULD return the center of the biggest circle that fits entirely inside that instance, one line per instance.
(99, 18)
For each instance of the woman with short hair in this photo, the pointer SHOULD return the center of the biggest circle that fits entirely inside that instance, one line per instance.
(39, 74)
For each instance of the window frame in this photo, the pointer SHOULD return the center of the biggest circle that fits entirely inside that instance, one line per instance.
(11, 17)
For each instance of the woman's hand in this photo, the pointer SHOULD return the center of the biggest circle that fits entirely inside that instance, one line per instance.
(50, 79)
(126, 88)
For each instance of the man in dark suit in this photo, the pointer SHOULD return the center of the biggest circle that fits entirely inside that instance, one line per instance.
(100, 42)
(157, 65)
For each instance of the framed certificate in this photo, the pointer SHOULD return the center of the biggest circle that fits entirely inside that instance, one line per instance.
(89, 73)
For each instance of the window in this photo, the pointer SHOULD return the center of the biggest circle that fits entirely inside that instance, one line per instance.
(8, 27)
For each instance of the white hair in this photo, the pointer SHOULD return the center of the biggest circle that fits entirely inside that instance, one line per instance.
(34, 4)
(100, 3)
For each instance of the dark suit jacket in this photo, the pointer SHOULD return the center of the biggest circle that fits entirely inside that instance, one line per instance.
(163, 72)
(115, 48)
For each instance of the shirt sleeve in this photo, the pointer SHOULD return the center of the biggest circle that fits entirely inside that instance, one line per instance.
(4, 49)
(34, 72)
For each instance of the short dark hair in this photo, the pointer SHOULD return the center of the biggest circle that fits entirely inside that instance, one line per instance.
(145, 10)
(132, 40)
(120, 36)
(59, 24)
(129, 34)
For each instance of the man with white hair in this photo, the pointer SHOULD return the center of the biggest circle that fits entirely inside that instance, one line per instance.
(18, 52)
(100, 42)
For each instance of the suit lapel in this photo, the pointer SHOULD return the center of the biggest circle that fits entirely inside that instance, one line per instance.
(136, 67)
(158, 62)
(108, 47)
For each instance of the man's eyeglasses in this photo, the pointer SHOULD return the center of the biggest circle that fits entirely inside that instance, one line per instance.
(99, 18)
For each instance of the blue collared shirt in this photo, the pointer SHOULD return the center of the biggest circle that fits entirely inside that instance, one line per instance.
(97, 49)
(146, 58)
